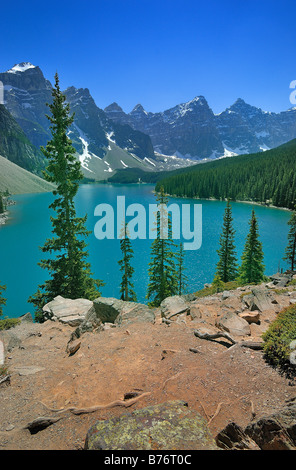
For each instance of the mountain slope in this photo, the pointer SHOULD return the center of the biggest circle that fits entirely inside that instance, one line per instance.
(19, 181)
(15, 145)
(26, 94)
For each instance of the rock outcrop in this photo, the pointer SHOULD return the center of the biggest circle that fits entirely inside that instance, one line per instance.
(272, 432)
(166, 426)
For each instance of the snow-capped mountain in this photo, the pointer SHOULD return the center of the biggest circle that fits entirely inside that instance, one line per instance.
(110, 139)
(192, 129)
(103, 146)
(187, 130)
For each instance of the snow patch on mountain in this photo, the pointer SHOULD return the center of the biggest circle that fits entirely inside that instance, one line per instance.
(22, 67)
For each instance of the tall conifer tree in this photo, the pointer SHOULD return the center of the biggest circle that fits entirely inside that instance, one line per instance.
(290, 252)
(2, 299)
(69, 269)
(182, 278)
(163, 276)
(126, 287)
(252, 268)
(227, 264)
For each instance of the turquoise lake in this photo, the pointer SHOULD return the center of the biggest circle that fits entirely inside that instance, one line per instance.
(29, 226)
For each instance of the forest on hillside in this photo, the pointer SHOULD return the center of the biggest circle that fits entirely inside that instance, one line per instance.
(266, 177)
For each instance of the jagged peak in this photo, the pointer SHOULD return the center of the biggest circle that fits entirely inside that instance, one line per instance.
(21, 67)
(138, 109)
(114, 107)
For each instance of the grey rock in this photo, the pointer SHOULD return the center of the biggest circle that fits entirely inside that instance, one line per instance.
(234, 324)
(172, 306)
(68, 311)
(260, 299)
(27, 318)
(2, 354)
(28, 370)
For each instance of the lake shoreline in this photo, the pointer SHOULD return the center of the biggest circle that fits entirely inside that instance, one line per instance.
(261, 204)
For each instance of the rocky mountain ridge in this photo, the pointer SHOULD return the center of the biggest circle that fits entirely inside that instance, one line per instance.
(192, 129)
(102, 145)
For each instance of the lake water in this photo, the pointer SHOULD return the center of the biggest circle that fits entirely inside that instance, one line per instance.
(29, 226)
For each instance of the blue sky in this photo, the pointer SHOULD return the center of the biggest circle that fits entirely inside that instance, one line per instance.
(158, 53)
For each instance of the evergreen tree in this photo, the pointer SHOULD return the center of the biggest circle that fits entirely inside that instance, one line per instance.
(126, 286)
(2, 299)
(218, 284)
(227, 264)
(252, 269)
(163, 276)
(290, 252)
(69, 270)
(182, 278)
(1, 204)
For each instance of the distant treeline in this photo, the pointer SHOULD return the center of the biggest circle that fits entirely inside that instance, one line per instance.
(264, 177)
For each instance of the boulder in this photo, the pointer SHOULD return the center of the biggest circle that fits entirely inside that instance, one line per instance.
(281, 279)
(111, 310)
(251, 317)
(107, 309)
(276, 431)
(68, 311)
(135, 313)
(260, 299)
(233, 437)
(172, 306)
(234, 324)
(166, 426)
(195, 311)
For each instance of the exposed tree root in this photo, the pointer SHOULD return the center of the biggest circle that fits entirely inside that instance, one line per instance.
(91, 409)
(223, 334)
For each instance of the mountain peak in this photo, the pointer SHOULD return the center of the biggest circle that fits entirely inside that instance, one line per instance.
(138, 109)
(113, 107)
(22, 67)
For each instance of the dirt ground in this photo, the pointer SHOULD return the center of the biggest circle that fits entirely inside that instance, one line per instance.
(223, 384)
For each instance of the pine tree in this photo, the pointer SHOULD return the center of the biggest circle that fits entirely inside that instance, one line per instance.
(163, 277)
(218, 284)
(2, 299)
(252, 269)
(1, 204)
(182, 278)
(69, 270)
(126, 286)
(290, 252)
(227, 264)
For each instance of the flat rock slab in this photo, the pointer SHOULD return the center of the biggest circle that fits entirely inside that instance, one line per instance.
(28, 370)
(167, 426)
(71, 312)
(2, 355)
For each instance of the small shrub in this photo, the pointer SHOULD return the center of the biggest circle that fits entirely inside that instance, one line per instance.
(279, 336)
(7, 323)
